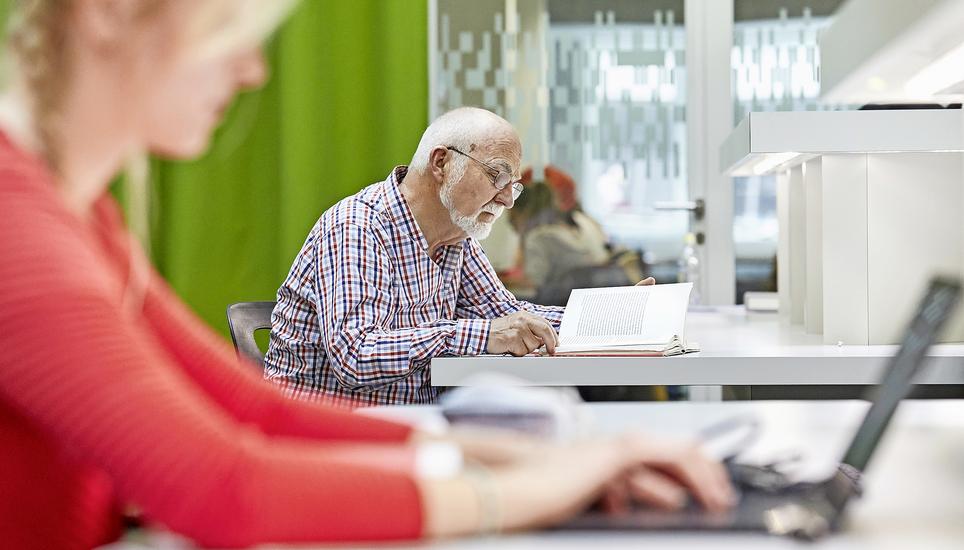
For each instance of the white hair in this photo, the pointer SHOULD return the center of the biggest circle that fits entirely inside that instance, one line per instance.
(465, 128)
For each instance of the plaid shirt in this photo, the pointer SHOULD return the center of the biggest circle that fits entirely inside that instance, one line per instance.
(364, 308)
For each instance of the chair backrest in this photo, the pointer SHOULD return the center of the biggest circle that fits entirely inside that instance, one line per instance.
(244, 319)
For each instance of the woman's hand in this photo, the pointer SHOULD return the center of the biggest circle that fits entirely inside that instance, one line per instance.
(495, 447)
(490, 446)
(562, 481)
(669, 473)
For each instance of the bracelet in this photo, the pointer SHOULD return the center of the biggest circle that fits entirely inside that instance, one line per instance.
(487, 492)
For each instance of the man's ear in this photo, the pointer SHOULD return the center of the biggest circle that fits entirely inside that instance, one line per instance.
(436, 163)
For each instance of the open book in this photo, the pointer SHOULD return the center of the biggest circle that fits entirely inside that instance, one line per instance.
(631, 321)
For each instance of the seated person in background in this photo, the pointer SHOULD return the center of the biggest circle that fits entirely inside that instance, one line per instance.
(393, 276)
(553, 241)
(562, 247)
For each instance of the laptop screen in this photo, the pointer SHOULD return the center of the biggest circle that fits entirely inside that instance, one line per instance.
(935, 308)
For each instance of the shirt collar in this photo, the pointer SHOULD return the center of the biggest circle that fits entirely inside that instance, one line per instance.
(398, 209)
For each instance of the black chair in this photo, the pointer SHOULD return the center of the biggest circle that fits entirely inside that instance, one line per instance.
(244, 319)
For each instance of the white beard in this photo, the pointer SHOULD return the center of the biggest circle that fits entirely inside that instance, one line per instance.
(472, 226)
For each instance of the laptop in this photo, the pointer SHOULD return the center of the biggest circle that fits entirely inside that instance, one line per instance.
(811, 509)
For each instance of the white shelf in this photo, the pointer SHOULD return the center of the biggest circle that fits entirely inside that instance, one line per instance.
(772, 142)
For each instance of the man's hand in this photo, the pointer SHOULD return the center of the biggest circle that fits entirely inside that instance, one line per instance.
(521, 333)
(646, 282)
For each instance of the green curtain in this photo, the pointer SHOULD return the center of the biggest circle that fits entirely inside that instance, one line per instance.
(347, 101)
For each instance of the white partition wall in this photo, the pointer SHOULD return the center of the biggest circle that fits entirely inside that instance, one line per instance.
(813, 191)
(798, 245)
(871, 206)
(913, 223)
(844, 201)
(877, 227)
(783, 244)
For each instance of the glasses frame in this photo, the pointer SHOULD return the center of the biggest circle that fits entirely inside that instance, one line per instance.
(501, 180)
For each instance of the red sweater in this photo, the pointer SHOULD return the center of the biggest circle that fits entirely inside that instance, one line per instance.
(104, 406)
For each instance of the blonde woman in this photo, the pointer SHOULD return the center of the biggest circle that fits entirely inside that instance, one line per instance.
(115, 398)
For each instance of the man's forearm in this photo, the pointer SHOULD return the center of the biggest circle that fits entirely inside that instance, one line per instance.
(364, 360)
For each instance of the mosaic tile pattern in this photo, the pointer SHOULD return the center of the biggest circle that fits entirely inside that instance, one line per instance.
(491, 54)
(606, 101)
(471, 69)
(618, 104)
(776, 65)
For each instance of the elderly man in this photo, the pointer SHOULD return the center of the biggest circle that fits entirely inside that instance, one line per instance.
(393, 276)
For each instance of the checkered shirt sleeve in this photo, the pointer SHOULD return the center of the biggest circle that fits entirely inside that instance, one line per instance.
(355, 302)
(482, 295)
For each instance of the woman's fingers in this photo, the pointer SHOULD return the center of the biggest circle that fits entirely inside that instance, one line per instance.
(699, 475)
(703, 476)
(656, 489)
(615, 499)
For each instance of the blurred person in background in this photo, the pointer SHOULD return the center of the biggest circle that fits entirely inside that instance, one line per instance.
(554, 241)
(561, 246)
(115, 399)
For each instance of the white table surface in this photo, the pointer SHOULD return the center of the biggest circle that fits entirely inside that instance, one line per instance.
(913, 492)
(738, 349)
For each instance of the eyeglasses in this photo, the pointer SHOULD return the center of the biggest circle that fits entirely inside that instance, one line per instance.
(501, 180)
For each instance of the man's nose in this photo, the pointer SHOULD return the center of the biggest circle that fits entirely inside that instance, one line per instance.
(504, 197)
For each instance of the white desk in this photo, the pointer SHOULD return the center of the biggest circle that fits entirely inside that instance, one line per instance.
(913, 491)
(913, 495)
(738, 349)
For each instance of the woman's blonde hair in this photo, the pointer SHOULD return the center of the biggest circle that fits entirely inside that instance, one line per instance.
(38, 45)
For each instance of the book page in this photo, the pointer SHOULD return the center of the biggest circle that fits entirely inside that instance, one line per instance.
(634, 315)
(595, 319)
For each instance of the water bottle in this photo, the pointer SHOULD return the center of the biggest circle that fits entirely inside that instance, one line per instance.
(689, 267)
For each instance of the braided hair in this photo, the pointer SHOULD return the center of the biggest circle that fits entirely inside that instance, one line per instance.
(37, 41)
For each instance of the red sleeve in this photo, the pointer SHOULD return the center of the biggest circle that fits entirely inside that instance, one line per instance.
(237, 386)
(94, 381)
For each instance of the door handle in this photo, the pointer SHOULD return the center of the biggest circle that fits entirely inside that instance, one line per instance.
(697, 207)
